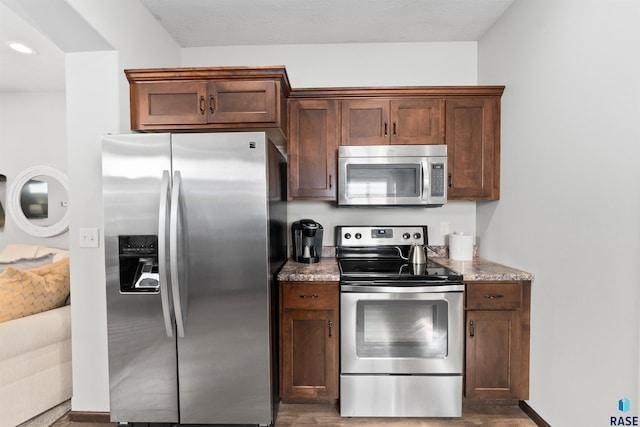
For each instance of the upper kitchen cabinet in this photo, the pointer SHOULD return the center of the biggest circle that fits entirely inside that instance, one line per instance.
(177, 99)
(473, 141)
(312, 149)
(392, 121)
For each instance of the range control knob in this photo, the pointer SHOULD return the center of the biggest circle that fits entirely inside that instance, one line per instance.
(358, 236)
(347, 236)
(406, 236)
(417, 236)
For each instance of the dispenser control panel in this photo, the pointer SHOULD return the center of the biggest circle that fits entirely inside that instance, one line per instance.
(138, 259)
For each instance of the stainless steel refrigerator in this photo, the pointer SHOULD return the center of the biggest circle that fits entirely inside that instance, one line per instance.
(194, 231)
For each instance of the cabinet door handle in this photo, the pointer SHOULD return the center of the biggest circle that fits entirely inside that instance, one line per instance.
(211, 104)
(493, 296)
(395, 133)
(202, 105)
(472, 329)
(330, 181)
(450, 180)
(386, 129)
(308, 296)
(330, 328)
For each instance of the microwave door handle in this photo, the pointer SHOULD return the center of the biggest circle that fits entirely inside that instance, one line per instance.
(425, 179)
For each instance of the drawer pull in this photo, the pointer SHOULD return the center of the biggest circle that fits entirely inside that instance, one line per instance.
(491, 296)
(308, 296)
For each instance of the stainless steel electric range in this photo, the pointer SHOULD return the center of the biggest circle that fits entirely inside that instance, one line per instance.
(401, 328)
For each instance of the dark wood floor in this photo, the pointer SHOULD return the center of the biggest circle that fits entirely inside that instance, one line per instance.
(305, 415)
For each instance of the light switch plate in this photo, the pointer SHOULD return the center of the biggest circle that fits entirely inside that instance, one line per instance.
(89, 238)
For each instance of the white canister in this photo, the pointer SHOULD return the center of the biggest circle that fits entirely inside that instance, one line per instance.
(461, 246)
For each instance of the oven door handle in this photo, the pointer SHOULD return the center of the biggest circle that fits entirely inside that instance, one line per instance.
(413, 287)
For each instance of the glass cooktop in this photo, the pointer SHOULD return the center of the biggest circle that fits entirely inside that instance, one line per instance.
(394, 269)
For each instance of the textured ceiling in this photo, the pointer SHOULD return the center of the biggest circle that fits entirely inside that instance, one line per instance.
(194, 23)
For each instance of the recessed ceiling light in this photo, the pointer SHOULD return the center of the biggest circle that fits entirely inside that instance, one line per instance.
(21, 47)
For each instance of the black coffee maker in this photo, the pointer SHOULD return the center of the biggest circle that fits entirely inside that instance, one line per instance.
(307, 241)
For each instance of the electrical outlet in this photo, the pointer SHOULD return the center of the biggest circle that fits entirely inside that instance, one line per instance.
(444, 228)
(89, 238)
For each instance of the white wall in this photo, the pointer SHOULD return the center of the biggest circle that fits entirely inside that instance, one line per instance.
(32, 133)
(570, 206)
(88, 308)
(98, 103)
(347, 65)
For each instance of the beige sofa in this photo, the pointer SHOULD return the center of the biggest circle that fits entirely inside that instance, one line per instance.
(35, 359)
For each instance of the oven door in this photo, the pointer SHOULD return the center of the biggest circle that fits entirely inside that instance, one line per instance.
(401, 330)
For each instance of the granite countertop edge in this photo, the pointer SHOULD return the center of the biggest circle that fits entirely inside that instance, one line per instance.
(478, 269)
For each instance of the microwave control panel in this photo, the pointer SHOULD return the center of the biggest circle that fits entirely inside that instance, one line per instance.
(437, 180)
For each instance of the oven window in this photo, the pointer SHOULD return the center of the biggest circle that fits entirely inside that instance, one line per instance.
(370, 180)
(402, 328)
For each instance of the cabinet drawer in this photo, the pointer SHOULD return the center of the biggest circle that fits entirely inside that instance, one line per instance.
(312, 296)
(494, 296)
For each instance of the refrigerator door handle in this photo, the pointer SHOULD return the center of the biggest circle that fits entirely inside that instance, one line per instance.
(173, 253)
(162, 253)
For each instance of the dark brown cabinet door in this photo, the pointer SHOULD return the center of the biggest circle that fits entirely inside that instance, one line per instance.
(417, 121)
(392, 121)
(365, 122)
(492, 355)
(309, 341)
(309, 354)
(169, 103)
(241, 102)
(312, 146)
(473, 147)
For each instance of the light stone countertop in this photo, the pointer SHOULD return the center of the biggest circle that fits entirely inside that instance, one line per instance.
(478, 269)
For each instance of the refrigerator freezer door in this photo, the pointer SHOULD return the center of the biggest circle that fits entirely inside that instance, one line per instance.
(142, 358)
(224, 364)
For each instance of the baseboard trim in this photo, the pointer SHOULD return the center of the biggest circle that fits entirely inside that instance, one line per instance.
(90, 417)
(105, 417)
(531, 413)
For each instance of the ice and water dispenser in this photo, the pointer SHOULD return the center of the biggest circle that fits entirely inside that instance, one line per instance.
(138, 259)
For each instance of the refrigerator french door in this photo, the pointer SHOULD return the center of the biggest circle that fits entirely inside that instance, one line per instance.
(193, 234)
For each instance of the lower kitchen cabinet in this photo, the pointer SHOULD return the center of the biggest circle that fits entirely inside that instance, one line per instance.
(309, 341)
(497, 340)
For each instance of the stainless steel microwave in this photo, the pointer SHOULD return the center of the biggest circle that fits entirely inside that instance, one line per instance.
(392, 175)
